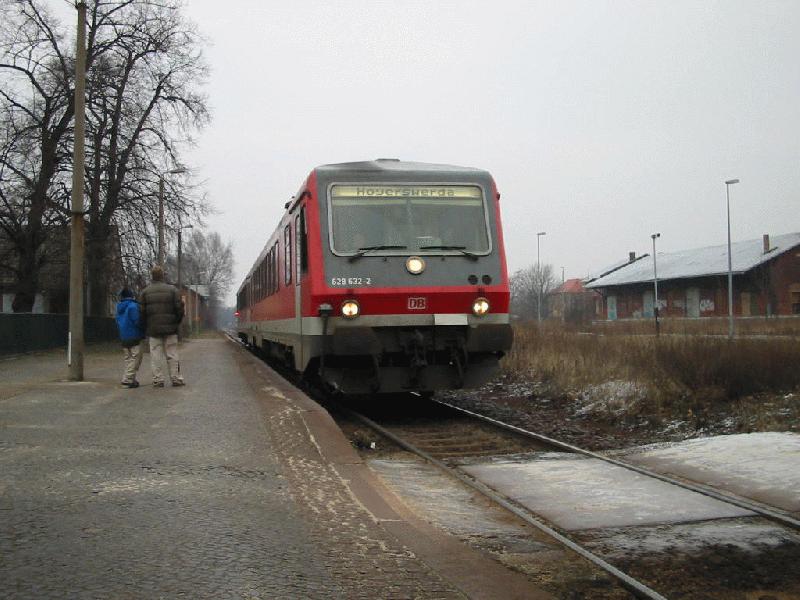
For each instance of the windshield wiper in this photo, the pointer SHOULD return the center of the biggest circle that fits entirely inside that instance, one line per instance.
(362, 251)
(462, 249)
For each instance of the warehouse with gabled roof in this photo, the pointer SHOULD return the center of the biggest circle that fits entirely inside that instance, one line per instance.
(694, 283)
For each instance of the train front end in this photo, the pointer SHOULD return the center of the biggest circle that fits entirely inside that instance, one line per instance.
(414, 295)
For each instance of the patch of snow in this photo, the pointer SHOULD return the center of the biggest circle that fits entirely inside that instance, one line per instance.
(615, 397)
(693, 538)
(673, 426)
(761, 466)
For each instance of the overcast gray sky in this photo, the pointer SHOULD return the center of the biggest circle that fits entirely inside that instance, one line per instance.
(602, 122)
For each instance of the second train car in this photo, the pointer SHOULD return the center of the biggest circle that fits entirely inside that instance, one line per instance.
(384, 276)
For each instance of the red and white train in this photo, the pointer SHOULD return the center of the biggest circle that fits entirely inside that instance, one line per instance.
(384, 276)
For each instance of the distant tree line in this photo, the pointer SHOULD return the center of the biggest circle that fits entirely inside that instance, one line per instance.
(144, 104)
(207, 260)
(529, 286)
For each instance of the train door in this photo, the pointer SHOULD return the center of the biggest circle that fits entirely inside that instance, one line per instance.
(301, 267)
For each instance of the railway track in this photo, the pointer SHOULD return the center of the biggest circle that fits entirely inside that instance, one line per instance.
(447, 450)
(769, 512)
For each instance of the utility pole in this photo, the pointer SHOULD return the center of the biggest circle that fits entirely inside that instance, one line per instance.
(728, 185)
(75, 341)
(161, 221)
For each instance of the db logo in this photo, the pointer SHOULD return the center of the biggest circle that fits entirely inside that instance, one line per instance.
(417, 303)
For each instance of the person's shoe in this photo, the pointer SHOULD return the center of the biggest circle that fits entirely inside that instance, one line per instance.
(158, 384)
(178, 382)
(130, 384)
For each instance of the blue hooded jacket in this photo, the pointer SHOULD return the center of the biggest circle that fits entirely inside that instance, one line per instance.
(129, 322)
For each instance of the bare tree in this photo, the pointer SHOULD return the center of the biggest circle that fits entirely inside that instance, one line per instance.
(144, 69)
(207, 260)
(144, 104)
(36, 111)
(528, 287)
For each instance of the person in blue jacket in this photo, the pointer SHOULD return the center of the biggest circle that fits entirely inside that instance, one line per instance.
(131, 332)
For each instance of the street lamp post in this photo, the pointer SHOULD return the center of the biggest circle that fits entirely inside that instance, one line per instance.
(655, 281)
(180, 254)
(161, 212)
(728, 185)
(539, 275)
(196, 304)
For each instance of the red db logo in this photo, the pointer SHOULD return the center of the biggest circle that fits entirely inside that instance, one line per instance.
(417, 303)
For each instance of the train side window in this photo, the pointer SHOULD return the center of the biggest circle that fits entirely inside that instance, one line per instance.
(301, 236)
(287, 254)
(270, 264)
(276, 270)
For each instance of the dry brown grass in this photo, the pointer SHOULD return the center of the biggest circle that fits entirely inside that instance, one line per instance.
(669, 367)
(747, 326)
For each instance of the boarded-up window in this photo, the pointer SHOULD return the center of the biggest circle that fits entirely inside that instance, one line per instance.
(794, 291)
(612, 308)
(693, 302)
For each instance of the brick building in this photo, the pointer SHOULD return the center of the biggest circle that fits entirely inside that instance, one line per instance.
(571, 302)
(694, 283)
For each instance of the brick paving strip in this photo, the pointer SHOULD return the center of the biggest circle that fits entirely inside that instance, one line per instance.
(236, 486)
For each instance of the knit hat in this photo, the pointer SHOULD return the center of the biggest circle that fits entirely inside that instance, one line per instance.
(125, 293)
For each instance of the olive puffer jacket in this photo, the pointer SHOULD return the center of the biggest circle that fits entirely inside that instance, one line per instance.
(162, 309)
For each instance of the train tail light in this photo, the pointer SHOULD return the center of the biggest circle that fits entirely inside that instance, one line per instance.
(350, 309)
(480, 307)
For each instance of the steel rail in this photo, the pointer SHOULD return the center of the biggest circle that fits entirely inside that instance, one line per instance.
(634, 586)
(769, 513)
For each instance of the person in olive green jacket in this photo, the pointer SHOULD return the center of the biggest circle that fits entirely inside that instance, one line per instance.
(162, 311)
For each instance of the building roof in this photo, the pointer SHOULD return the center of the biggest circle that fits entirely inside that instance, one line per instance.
(611, 268)
(699, 262)
(570, 286)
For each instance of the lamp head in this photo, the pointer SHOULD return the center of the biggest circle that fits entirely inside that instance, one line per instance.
(731, 181)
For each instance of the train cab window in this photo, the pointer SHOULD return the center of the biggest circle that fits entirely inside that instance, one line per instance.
(287, 254)
(419, 218)
(301, 241)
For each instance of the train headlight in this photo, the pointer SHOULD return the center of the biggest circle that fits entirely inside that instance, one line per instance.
(415, 265)
(480, 307)
(350, 309)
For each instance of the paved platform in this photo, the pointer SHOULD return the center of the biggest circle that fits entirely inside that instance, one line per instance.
(235, 486)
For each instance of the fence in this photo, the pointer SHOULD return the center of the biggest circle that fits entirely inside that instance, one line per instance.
(26, 332)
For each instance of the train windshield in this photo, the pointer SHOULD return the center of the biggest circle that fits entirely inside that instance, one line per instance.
(419, 219)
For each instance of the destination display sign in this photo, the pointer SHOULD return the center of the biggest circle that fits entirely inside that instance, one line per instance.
(405, 191)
